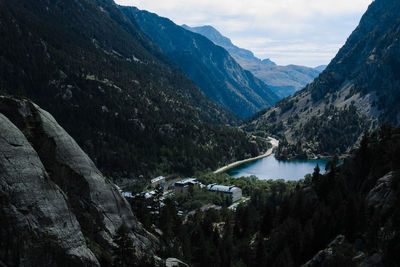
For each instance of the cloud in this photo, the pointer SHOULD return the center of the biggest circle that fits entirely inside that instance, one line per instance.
(300, 8)
(262, 25)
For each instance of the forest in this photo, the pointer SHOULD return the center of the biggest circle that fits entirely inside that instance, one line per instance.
(287, 223)
(129, 107)
(333, 132)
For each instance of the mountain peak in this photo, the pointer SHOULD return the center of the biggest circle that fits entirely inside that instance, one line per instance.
(268, 61)
(213, 34)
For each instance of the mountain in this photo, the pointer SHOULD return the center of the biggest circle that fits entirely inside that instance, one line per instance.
(359, 90)
(284, 80)
(321, 68)
(210, 66)
(125, 103)
(57, 208)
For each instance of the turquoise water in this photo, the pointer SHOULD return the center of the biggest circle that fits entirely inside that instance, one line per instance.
(271, 168)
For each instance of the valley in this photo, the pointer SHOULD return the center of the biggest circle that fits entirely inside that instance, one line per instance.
(211, 67)
(283, 80)
(128, 140)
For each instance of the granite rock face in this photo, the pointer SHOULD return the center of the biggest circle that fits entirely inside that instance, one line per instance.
(36, 221)
(324, 256)
(382, 197)
(52, 194)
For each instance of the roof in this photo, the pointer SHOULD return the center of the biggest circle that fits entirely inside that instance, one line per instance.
(127, 194)
(155, 180)
(222, 188)
(187, 181)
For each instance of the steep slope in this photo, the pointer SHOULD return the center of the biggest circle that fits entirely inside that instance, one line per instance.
(359, 89)
(209, 66)
(57, 208)
(283, 80)
(321, 68)
(114, 91)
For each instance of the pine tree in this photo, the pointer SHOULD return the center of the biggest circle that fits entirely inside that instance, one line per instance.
(124, 252)
(316, 174)
(331, 165)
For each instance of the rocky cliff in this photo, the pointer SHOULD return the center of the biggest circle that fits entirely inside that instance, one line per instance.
(56, 206)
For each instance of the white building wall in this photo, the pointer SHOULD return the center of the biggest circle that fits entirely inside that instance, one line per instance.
(236, 194)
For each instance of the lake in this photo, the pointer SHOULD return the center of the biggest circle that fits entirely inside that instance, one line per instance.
(271, 168)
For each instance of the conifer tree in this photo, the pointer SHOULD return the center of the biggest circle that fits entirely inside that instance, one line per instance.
(124, 252)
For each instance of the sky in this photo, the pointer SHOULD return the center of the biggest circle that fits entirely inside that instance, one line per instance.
(302, 32)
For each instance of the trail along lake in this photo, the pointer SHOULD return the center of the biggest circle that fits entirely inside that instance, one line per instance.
(271, 168)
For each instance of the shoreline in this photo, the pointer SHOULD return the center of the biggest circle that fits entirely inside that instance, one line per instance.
(274, 144)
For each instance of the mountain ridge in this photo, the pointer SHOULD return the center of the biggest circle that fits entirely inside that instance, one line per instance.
(208, 65)
(284, 80)
(124, 102)
(358, 91)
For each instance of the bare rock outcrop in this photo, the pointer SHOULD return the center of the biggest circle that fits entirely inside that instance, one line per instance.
(37, 226)
(382, 197)
(325, 255)
(65, 185)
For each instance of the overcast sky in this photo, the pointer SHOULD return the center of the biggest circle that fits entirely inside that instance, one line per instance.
(303, 32)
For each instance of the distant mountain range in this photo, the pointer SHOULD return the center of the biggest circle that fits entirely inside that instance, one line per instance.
(210, 66)
(284, 80)
(358, 91)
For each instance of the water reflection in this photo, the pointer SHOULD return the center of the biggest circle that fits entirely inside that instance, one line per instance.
(271, 168)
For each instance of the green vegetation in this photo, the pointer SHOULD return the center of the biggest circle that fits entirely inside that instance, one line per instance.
(210, 66)
(287, 223)
(124, 102)
(333, 132)
(358, 91)
(199, 197)
(249, 185)
(124, 254)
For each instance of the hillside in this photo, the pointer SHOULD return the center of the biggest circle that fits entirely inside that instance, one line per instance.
(359, 90)
(124, 102)
(321, 68)
(283, 80)
(211, 67)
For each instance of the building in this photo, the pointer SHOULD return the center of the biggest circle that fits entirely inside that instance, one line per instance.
(234, 191)
(157, 181)
(184, 185)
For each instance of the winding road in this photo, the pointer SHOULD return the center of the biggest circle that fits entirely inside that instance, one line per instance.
(274, 142)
